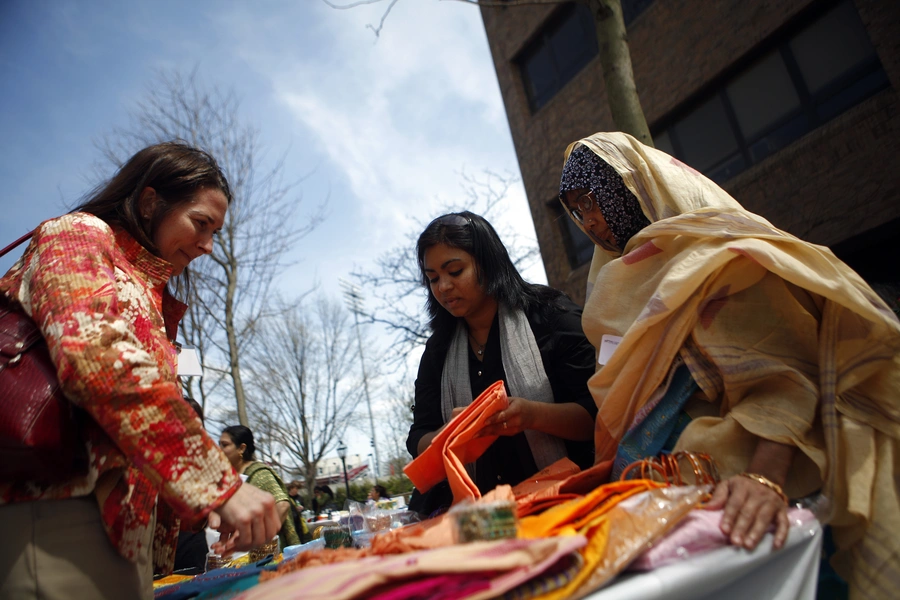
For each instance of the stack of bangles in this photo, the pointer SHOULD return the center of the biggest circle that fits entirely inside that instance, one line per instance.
(768, 483)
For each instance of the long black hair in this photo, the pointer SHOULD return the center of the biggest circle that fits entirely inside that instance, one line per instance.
(242, 435)
(497, 274)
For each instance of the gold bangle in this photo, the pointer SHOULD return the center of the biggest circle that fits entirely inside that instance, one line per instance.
(768, 483)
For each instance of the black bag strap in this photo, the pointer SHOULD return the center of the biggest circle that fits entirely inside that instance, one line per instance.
(17, 242)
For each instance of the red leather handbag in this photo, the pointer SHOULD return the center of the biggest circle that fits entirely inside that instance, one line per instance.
(39, 438)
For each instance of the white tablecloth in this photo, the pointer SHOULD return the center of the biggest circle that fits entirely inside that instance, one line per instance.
(786, 574)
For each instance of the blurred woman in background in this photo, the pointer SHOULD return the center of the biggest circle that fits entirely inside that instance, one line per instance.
(237, 444)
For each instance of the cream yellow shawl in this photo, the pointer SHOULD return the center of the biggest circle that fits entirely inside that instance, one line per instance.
(797, 347)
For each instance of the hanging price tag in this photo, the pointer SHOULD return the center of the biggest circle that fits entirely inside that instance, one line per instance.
(189, 362)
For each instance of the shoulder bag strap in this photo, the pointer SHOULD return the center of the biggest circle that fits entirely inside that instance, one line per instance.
(17, 242)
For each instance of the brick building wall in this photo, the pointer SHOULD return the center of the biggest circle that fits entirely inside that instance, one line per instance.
(833, 186)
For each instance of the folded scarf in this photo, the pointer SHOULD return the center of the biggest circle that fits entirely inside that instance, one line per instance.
(456, 444)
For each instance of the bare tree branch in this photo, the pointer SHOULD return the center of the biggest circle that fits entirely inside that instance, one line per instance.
(230, 288)
(304, 388)
(613, 53)
(396, 421)
(395, 283)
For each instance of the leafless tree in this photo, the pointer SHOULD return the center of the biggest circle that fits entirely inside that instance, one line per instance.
(614, 55)
(394, 284)
(229, 289)
(305, 387)
(397, 418)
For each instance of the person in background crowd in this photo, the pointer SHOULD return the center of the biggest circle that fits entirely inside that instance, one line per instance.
(293, 490)
(237, 443)
(297, 509)
(323, 497)
(95, 281)
(489, 324)
(741, 341)
(378, 492)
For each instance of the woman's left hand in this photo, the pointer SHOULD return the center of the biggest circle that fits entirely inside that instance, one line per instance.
(749, 508)
(513, 419)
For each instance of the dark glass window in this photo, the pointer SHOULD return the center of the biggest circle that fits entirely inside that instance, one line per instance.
(705, 136)
(663, 142)
(824, 68)
(561, 49)
(631, 9)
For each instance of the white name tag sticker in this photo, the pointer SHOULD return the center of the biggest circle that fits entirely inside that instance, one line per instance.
(608, 345)
(189, 363)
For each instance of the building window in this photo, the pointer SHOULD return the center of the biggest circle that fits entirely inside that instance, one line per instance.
(566, 43)
(802, 82)
(631, 9)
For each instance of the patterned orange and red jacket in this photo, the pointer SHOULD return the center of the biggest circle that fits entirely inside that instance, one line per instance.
(100, 300)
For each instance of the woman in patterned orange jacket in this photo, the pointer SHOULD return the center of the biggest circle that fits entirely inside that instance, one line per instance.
(95, 281)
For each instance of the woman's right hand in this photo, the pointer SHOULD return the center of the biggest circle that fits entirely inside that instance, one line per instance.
(246, 520)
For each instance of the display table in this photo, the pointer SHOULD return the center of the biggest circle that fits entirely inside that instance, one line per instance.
(786, 574)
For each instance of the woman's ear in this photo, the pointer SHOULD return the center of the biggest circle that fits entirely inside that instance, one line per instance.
(147, 203)
(243, 448)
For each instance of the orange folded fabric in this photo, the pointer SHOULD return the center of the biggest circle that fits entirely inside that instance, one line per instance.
(580, 512)
(539, 505)
(549, 477)
(587, 480)
(456, 445)
(536, 495)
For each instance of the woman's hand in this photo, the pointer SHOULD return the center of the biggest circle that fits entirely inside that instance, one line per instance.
(568, 420)
(248, 519)
(426, 439)
(750, 507)
(513, 419)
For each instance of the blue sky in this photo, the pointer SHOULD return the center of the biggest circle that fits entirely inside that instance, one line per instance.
(381, 127)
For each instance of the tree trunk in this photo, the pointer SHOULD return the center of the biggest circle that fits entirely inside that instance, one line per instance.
(233, 350)
(615, 59)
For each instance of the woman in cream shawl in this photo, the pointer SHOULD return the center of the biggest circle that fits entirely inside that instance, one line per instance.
(796, 360)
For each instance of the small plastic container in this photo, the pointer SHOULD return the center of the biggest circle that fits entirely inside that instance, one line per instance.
(484, 521)
(292, 551)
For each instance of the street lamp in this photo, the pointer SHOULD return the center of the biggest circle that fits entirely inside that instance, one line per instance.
(353, 298)
(342, 453)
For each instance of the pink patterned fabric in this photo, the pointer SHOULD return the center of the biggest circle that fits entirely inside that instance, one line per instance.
(443, 587)
(514, 561)
(697, 533)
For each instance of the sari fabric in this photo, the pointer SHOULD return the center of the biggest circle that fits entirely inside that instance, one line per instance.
(790, 342)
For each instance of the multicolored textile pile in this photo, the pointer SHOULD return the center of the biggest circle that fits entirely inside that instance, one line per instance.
(575, 534)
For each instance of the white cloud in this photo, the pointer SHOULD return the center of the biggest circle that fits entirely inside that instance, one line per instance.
(397, 117)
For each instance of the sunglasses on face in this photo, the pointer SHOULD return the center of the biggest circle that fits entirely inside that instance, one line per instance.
(582, 205)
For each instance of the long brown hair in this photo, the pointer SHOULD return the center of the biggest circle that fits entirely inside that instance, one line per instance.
(174, 169)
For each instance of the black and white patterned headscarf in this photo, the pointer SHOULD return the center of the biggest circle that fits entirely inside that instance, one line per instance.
(620, 208)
